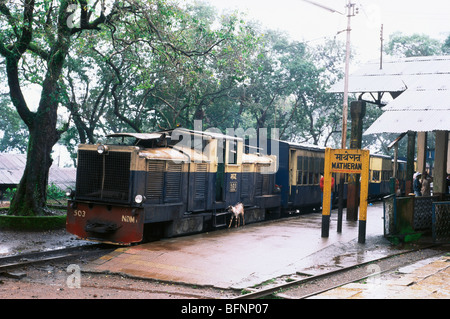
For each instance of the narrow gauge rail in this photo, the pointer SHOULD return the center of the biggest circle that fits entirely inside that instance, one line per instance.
(17, 261)
(339, 277)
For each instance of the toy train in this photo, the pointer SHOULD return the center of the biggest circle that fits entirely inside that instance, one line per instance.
(144, 185)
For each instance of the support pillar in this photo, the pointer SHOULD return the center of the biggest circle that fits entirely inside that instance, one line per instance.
(421, 151)
(357, 111)
(411, 151)
(440, 163)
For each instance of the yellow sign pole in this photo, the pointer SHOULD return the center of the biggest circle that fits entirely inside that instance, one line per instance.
(346, 161)
(326, 204)
(364, 192)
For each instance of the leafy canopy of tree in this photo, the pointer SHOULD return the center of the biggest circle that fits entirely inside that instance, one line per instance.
(400, 45)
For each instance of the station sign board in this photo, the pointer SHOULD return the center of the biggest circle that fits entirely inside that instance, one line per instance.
(350, 161)
(347, 161)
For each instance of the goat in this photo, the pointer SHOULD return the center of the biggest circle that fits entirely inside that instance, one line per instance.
(237, 211)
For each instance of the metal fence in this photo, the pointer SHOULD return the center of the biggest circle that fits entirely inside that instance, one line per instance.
(441, 221)
(417, 214)
(389, 209)
(423, 212)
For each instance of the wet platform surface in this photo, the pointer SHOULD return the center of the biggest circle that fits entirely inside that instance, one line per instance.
(249, 255)
(427, 279)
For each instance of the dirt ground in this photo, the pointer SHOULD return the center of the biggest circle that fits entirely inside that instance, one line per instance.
(50, 280)
(54, 281)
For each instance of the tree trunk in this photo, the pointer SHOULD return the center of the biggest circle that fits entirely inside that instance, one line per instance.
(30, 198)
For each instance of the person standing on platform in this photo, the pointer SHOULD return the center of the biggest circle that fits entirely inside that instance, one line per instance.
(426, 183)
(417, 185)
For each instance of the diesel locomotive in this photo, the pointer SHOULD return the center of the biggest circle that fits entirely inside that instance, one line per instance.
(137, 186)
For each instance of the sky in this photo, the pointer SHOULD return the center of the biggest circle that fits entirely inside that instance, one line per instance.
(306, 22)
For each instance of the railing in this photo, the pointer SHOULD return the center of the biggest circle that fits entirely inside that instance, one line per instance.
(390, 214)
(423, 211)
(403, 215)
(441, 221)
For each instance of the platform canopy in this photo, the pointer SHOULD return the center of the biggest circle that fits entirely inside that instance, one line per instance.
(419, 88)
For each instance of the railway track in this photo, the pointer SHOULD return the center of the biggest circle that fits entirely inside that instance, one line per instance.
(17, 261)
(313, 285)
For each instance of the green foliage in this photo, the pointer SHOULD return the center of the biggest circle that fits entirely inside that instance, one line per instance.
(53, 192)
(56, 193)
(9, 193)
(446, 46)
(171, 65)
(414, 45)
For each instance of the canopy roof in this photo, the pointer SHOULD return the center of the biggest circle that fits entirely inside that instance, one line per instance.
(420, 85)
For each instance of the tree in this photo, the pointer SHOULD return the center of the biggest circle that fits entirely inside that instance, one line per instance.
(42, 31)
(410, 46)
(165, 67)
(446, 46)
(297, 81)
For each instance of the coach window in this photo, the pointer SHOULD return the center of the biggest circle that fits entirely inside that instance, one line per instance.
(316, 170)
(376, 176)
(299, 170)
(232, 151)
(305, 170)
(310, 170)
(322, 165)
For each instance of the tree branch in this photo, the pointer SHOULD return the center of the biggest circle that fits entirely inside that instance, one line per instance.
(27, 29)
(5, 10)
(94, 25)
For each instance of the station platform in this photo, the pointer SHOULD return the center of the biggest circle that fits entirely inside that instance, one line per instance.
(246, 256)
(427, 279)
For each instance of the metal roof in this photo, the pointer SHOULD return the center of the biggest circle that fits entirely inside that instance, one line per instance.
(424, 102)
(399, 75)
(179, 130)
(420, 100)
(141, 136)
(417, 121)
(13, 165)
(305, 146)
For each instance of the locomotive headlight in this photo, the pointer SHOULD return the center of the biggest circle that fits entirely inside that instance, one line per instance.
(70, 192)
(102, 149)
(139, 199)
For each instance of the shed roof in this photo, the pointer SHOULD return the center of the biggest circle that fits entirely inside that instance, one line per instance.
(424, 102)
(399, 75)
(12, 167)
